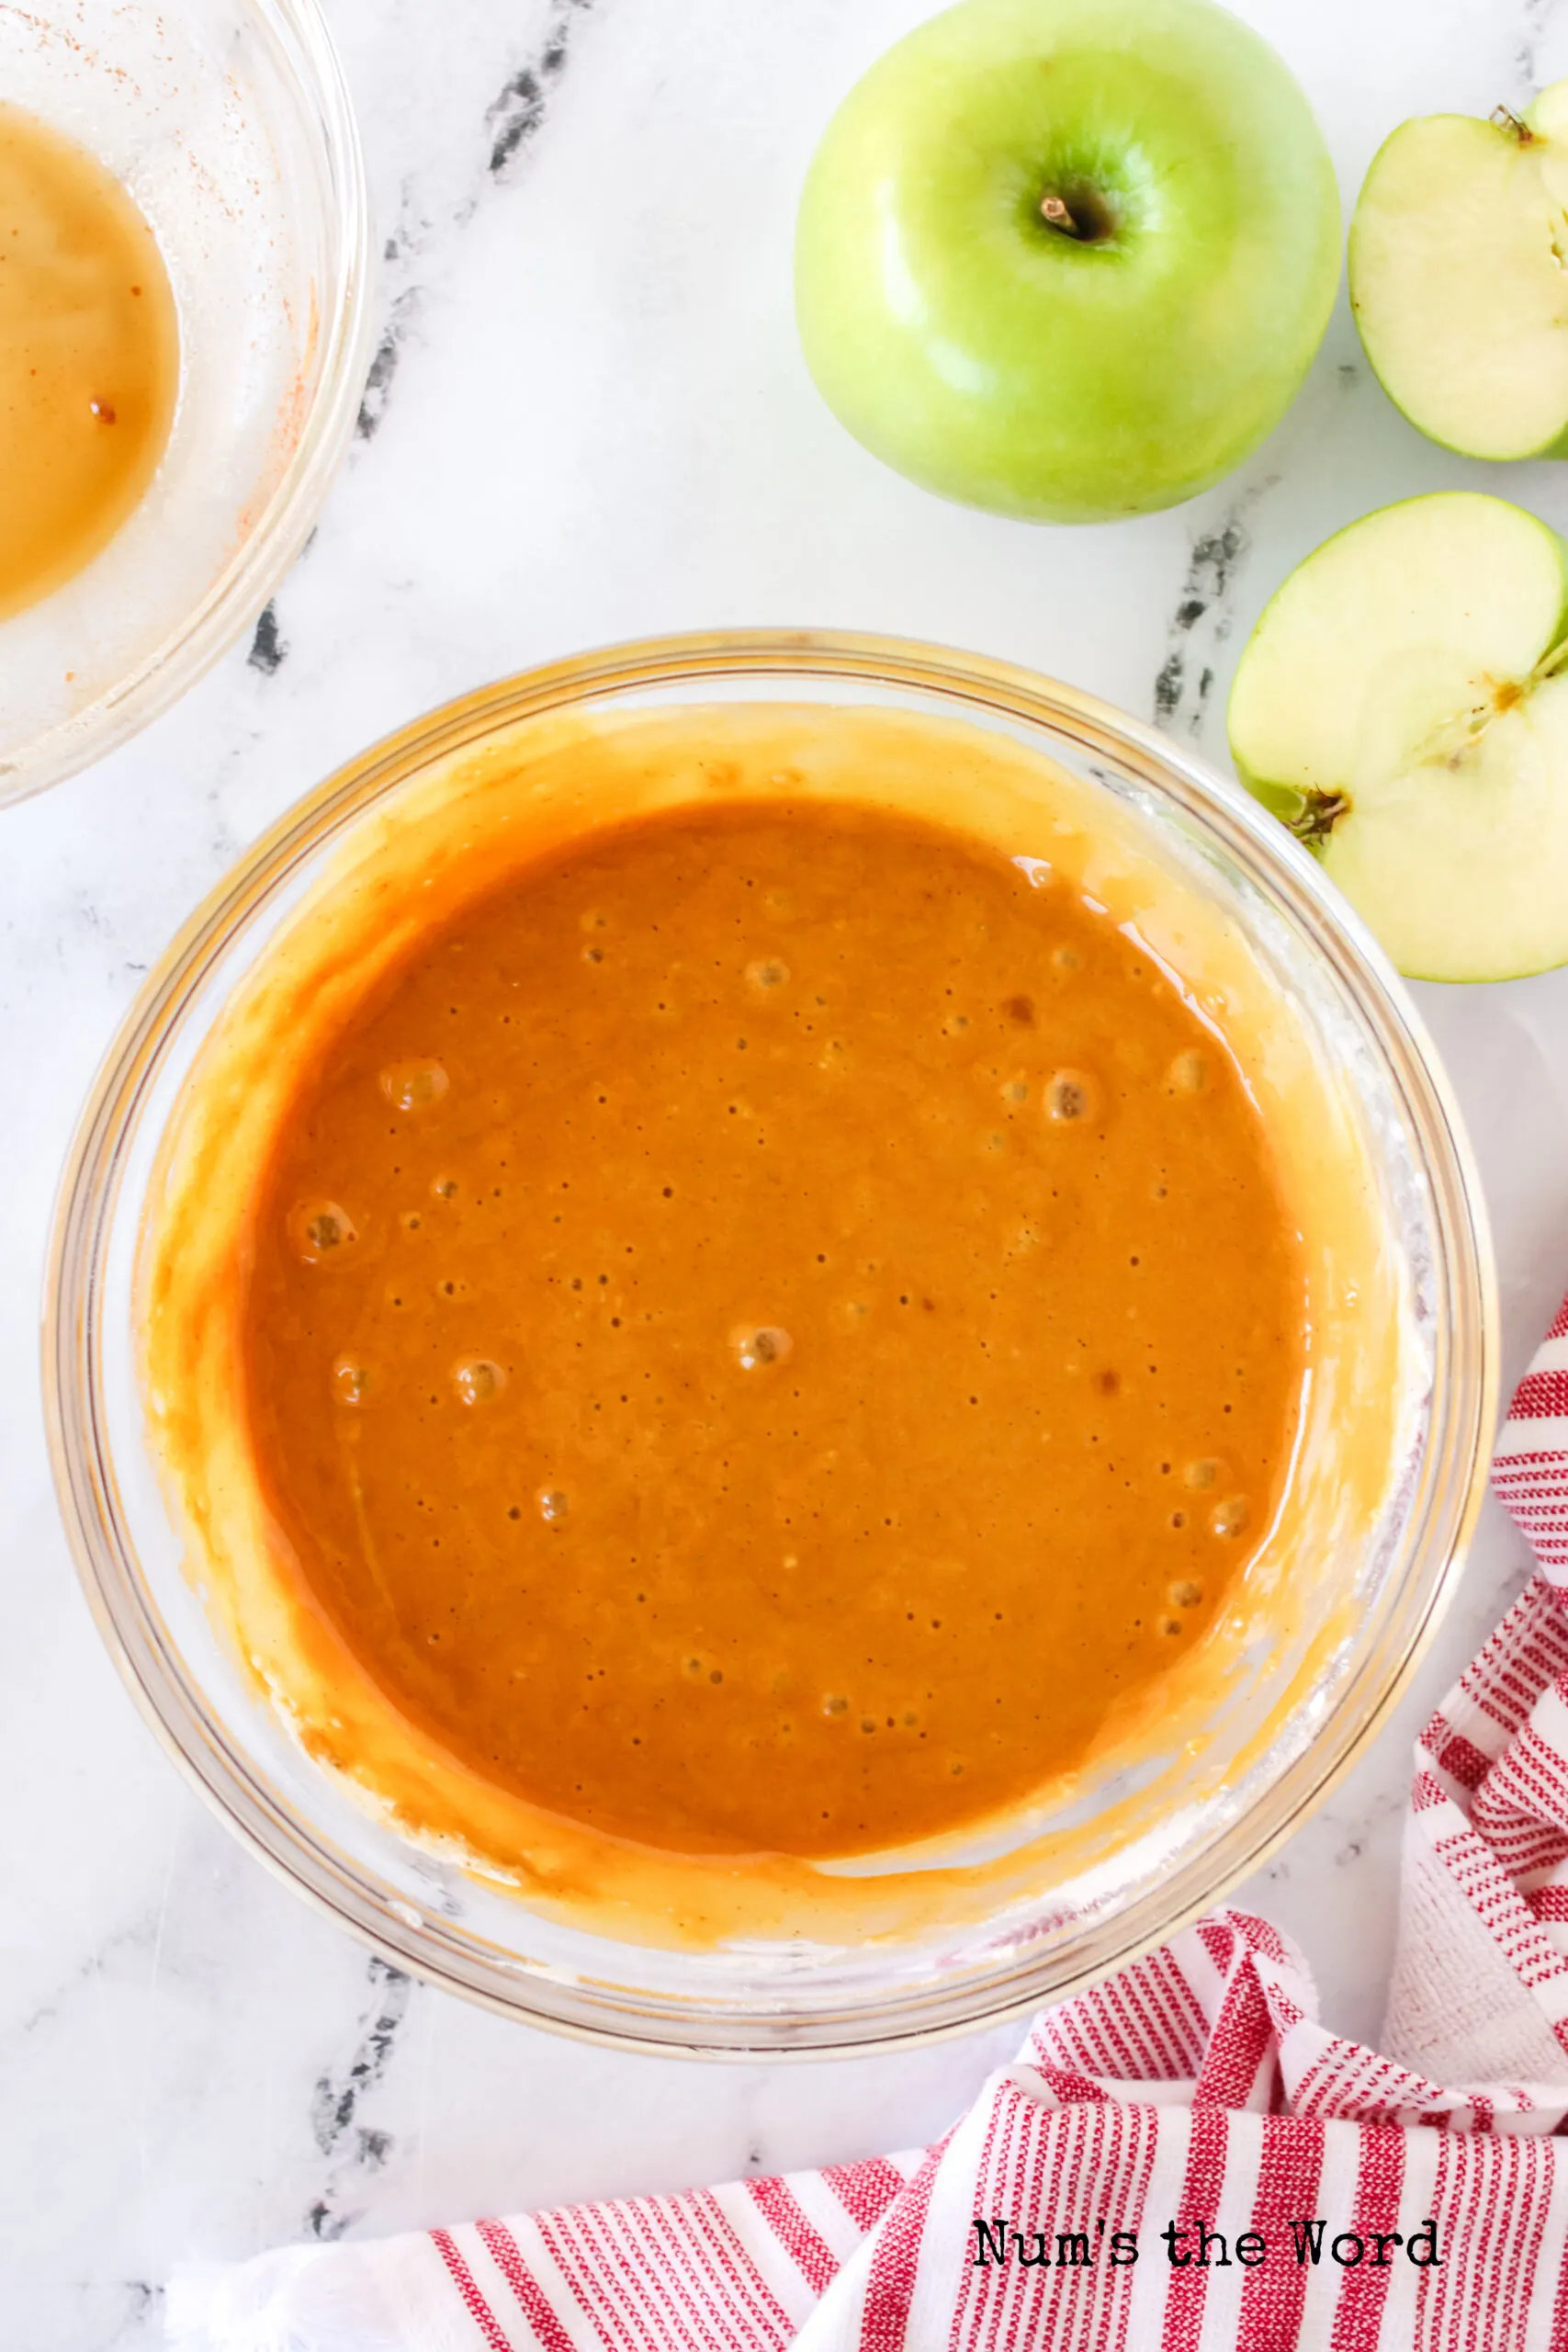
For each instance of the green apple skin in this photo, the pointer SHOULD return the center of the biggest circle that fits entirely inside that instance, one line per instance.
(1455, 257)
(1403, 705)
(1001, 363)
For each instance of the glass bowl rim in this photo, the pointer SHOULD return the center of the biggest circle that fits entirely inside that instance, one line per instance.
(239, 590)
(1463, 1406)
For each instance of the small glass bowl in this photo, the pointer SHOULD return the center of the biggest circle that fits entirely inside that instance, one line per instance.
(229, 122)
(1368, 1614)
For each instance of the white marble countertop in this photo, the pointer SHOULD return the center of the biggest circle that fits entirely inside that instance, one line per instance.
(588, 421)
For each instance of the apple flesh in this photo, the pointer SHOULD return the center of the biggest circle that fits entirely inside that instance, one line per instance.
(1402, 703)
(1458, 252)
(1067, 259)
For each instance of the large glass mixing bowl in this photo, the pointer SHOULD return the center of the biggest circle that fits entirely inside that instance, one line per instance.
(1209, 1814)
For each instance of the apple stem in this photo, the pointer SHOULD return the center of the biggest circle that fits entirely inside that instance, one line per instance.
(1053, 211)
(1507, 120)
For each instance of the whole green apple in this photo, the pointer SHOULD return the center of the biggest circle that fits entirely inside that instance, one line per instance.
(1067, 259)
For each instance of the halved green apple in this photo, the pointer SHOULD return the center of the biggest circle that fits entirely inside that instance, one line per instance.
(1458, 276)
(1402, 704)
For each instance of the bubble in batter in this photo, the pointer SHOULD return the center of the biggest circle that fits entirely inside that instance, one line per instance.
(1204, 1473)
(413, 1086)
(351, 1381)
(757, 1345)
(1070, 1095)
(1189, 1074)
(320, 1229)
(766, 974)
(477, 1379)
(1230, 1517)
(553, 1505)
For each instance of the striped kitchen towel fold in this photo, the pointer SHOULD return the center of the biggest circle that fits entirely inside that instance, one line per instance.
(1181, 2160)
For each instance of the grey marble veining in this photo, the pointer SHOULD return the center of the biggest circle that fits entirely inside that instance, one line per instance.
(587, 419)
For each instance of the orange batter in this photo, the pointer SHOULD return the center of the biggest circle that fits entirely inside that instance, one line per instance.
(766, 1328)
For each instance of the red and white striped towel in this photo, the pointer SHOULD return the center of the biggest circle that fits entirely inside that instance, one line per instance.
(1196, 2088)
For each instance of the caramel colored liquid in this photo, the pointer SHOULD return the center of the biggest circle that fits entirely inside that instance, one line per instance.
(769, 1327)
(89, 358)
